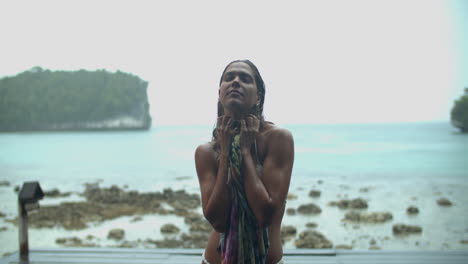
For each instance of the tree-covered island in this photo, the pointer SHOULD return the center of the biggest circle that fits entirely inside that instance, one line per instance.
(459, 114)
(38, 99)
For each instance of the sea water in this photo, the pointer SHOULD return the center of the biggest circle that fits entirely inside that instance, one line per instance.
(397, 164)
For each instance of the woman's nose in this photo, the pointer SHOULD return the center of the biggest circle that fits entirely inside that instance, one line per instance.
(235, 82)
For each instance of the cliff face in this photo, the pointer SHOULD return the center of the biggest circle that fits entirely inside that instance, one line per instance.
(81, 100)
(123, 122)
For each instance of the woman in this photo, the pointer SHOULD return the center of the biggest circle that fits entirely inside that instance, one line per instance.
(244, 173)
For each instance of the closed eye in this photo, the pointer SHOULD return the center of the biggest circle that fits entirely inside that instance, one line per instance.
(246, 78)
(228, 77)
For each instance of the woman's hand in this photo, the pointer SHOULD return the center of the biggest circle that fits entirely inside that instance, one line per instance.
(249, 130)
(223, 128)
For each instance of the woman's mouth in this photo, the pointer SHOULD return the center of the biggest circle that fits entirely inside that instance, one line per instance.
(235, 93)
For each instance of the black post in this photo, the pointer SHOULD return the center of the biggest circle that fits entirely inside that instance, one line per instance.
(23, 233)
(28, 200)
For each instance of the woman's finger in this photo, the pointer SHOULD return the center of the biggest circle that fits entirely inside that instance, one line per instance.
(249, 123)
(243, 126)
(223, 124)
(226, 119)
(256, 124)
(219, 123)
(228, 124)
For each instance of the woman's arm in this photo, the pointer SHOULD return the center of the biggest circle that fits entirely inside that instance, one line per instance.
(267, 194)
(213, 176)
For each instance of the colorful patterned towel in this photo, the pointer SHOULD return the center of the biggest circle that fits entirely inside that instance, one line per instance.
(244, 242)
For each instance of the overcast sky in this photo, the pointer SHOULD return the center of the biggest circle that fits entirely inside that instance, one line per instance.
(322, 61)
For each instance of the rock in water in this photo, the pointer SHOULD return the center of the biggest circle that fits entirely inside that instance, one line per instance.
(290, 211)
(357, 203)
(291, 196)
(374, 217)
(56, 193)
(195, 239)
(288, 232)
(136, 219)
(167, 243)
(311, 225)
(309, 209)
(193, 217)
(348, 247)
(74, 242)
(412, 210)
(402, 229)
(312, 239)
(444, 202)
(314, 193)
(116, 234)
(169, 229)
(200, 226)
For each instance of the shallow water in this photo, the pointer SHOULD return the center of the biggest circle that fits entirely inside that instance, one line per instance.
(402, 164)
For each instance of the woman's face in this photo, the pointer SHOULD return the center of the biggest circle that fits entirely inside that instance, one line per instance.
(238, 90)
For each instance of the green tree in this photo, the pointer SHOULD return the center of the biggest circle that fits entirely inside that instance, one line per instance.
(459, 113)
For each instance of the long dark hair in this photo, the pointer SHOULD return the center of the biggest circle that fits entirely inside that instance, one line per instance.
(256, 110)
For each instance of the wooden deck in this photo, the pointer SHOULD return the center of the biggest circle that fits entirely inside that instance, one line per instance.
(185, 256)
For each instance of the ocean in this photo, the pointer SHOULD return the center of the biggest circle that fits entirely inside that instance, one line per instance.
(399, 164)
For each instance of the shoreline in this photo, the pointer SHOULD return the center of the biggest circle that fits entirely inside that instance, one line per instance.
(316, 221)
(81, 129)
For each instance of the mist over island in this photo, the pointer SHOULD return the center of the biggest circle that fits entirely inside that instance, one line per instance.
(42, 100)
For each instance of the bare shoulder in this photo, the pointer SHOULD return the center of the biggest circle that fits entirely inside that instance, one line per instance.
(275, 135)
(205, 148)
(205, 152)
(205, 160)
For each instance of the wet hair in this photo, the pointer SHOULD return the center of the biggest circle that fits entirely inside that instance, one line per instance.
(256, 110)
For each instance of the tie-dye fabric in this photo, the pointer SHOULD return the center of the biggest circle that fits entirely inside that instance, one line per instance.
(244, 242)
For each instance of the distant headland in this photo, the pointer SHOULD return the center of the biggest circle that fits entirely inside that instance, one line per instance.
(459, 113)
(44, 100)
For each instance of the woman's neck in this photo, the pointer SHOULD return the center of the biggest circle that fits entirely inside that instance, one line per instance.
(236, 115)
